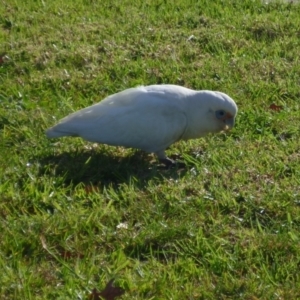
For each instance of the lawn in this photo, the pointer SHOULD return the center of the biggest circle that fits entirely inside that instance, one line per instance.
(74, 215)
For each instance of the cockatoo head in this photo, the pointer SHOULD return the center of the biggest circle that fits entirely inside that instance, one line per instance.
(222, 111)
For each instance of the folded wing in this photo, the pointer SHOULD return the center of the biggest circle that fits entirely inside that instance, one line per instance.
(134, 118)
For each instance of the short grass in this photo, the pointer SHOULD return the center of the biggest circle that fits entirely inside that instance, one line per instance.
(74, 214)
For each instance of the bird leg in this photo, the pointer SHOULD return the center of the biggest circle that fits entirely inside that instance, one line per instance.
(168, 162)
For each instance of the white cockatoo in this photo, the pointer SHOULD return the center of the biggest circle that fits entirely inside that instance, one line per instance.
(150, 118)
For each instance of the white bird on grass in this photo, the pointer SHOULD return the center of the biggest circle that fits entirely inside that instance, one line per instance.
(150, 118)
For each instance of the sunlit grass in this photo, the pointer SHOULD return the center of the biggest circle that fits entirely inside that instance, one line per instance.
(75, 214)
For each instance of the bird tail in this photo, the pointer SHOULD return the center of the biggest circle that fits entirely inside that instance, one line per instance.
(54, 132)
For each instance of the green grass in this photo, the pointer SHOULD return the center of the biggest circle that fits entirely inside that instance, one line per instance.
(74, 214)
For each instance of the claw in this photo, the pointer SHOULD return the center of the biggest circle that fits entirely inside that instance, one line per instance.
(170, 163)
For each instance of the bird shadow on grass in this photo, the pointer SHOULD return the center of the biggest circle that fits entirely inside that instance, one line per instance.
(101, 168)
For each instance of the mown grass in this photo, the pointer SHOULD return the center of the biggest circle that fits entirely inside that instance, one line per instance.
(74, 214)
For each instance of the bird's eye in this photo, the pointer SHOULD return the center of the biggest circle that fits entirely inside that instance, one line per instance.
(220, 113)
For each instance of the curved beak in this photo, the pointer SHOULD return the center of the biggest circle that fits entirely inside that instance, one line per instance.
(229, 122)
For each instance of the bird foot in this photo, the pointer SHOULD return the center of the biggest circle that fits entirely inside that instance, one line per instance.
(170, 163)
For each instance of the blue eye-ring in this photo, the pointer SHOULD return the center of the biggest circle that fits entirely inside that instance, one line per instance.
(220, 114)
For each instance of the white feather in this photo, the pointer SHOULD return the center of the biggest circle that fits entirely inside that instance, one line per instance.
(150, 118)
